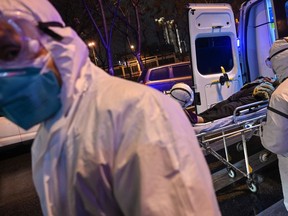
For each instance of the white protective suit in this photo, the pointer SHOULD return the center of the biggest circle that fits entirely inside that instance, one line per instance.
(115, 147)
(275, 130)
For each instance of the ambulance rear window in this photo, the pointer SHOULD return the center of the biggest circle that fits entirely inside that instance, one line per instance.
(212, 53)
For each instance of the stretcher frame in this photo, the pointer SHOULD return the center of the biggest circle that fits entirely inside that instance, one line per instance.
(240, 125)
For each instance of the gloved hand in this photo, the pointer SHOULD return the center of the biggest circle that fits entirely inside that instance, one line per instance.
(263, 91)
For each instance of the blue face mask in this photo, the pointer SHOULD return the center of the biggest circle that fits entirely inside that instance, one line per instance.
(28, 97)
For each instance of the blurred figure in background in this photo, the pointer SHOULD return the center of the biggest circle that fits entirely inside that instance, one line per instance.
(182, 93)
(106, 146)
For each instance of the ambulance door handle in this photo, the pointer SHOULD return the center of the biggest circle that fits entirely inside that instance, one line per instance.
(217, 27)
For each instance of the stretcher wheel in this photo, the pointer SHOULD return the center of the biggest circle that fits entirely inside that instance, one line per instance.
(231, 173)
(263, 157)
(252, 187)
(239, 147)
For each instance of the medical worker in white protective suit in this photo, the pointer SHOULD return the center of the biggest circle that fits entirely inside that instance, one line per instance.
(275, 130)
(106, 146)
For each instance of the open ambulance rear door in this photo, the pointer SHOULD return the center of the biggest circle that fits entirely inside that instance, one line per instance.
(214, 54)
(261, 23)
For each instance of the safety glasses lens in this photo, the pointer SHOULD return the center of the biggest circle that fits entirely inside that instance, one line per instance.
(10, 42)
(268, 63)
(19, 39)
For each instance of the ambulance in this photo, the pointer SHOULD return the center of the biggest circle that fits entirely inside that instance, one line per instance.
(226, 53)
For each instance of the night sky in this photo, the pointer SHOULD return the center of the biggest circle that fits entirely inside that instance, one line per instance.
(75, 15)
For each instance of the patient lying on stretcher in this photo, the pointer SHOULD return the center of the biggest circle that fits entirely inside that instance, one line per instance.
(260, 89)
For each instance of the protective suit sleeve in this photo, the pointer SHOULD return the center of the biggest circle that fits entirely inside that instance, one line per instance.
(275, 130)
(164, 171)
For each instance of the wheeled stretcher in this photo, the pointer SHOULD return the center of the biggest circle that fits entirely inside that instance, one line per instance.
(245, 122)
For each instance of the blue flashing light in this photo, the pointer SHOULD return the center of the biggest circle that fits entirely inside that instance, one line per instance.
(270, 14)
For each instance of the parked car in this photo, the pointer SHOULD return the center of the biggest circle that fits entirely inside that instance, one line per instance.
(164, 77)
(10, 133)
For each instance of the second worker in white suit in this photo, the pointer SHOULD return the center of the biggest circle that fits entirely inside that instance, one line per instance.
(275, 130)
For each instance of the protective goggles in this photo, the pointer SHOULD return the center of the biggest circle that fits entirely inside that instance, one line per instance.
(268, 60)
(19, 37)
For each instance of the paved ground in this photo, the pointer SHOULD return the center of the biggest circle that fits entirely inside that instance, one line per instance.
(18, 196)
(17, 193)
(234, 196)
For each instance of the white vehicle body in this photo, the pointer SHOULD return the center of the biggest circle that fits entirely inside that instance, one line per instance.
(214, 43)
(11, 133)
